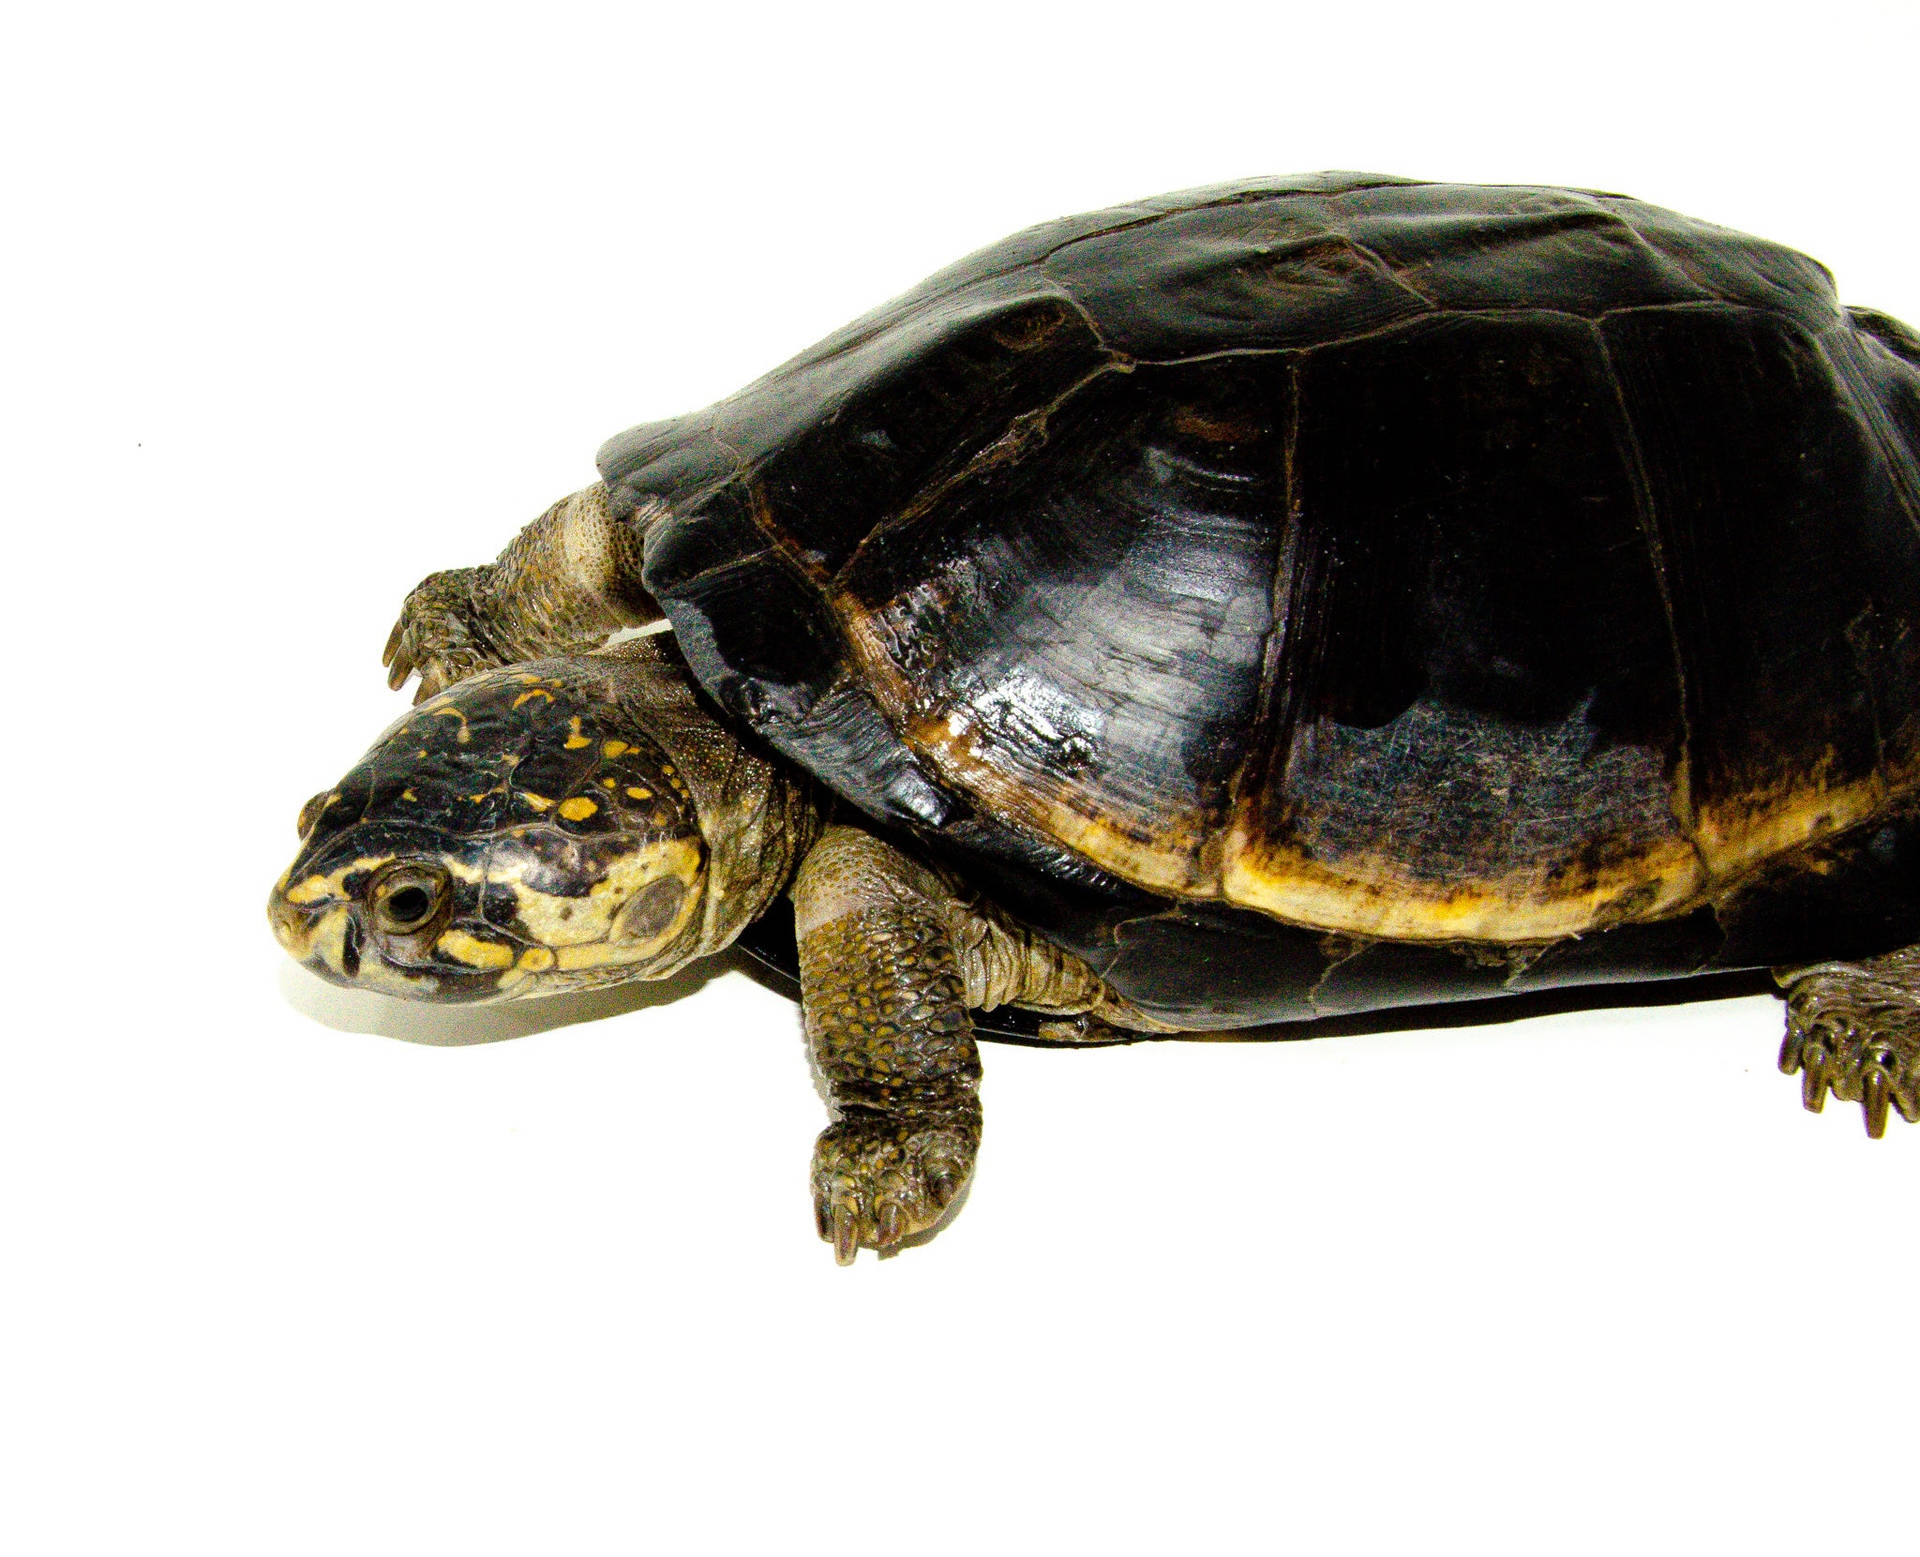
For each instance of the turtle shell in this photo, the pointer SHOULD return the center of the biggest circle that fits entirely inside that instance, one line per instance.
(1340, 591)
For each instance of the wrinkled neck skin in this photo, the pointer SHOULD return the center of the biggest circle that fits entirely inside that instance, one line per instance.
(757, 818)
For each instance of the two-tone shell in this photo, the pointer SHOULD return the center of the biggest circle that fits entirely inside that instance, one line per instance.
(1309, 596)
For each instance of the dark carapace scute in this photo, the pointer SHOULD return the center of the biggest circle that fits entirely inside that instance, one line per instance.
(1342, 592)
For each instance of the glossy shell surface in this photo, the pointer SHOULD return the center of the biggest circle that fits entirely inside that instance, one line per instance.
(1340, 592)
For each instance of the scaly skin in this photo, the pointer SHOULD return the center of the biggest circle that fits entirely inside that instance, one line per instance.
(886, 1014)
(1855, 1027)
(567, 580)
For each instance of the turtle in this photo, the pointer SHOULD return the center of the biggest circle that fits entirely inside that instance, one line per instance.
(1286, 599)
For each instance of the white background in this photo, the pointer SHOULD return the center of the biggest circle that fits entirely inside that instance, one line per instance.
(303, 302)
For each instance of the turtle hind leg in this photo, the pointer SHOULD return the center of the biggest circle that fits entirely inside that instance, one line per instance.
(1855, 1027)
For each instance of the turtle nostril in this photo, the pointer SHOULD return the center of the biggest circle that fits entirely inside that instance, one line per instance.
(285, 921)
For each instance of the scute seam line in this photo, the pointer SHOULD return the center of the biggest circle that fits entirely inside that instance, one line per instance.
(1246, 197)
(1685, 813)
(1278, 723)
(982, 459)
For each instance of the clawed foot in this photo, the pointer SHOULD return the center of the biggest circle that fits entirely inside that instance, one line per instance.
(1846, 1029)
(439, 634)
(878, 1179)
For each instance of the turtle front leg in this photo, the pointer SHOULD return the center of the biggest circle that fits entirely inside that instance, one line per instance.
(568, 580)
(886, 1015)
(1855, 1027)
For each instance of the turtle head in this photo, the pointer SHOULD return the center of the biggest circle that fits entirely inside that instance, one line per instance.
(518, 834)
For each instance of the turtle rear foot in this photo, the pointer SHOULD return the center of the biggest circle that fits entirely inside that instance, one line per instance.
(1854, 1027)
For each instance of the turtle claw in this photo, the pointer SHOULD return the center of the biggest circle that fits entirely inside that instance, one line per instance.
(1873, 1102)
(846, 1235)
(432, 683)
(1854, 1028)
(878, 1180)
(942, 1186)
(440, 634)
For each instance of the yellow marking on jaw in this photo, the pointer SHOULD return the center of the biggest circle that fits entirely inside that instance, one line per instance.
(578, 809)
(535, 692)
(575, 740)
(615, 749)
(592, 954)
(474, 952)
(536, 959)
(325, 942)
(579, 929)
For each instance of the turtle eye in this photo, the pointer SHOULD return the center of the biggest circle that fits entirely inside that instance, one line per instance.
(406, 898)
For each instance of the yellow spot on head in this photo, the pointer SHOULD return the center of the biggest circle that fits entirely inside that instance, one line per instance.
(474, 952)
(317, 889)
(575, 740)
(578, 809)
(609, 783)
(536, 959)
(407, 794)
(311, 890)
(634, 792)
(614, 748)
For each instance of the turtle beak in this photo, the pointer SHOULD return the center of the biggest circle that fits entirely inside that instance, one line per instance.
(293, 923)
